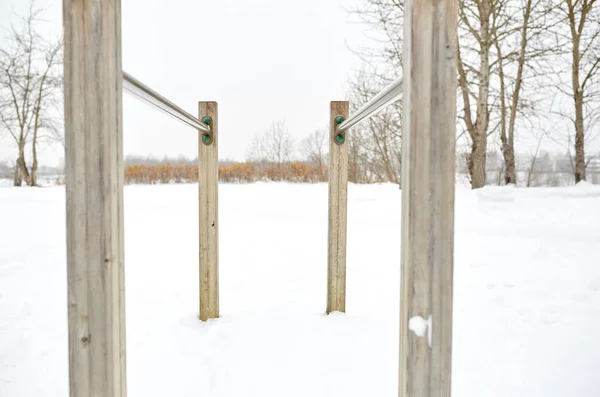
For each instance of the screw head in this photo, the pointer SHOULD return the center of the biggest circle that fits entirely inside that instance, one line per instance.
(206, 138)
(339, 138)
(206, 120)
(339, 120)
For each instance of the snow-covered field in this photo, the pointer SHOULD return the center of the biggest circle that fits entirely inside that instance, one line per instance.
(526, 313)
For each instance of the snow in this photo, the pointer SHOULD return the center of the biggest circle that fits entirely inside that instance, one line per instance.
(419, 326)
(526, 293)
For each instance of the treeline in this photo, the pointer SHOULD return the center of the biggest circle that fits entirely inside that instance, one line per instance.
(539, 169)
(298, 172)
(533, 170)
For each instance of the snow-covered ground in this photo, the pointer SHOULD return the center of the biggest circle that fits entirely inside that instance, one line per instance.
(526, 313)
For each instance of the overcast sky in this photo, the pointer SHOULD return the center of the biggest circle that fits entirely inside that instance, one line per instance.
(261, 60)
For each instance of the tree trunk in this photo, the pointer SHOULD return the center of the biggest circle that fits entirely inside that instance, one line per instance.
(479, 148)
(579, 138)
(478, 130)
(34, 165)
(17, 179)
(508, 152)
(477, 159)
(23, 171)
(577, 95)
(507, 147)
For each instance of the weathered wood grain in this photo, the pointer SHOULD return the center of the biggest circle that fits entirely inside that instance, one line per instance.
(338, 199)
(209, 222)
(428, 179)
(94, 196)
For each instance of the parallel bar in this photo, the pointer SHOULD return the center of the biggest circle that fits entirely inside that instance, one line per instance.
(151, 97)
(94, 197)
(387, 96)
(428, 166)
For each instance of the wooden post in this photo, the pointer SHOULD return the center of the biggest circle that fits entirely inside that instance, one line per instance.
(208, 180)
(338, 198)
(428, 161)
(94, 197)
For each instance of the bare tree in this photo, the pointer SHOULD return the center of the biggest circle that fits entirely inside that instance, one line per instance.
(520, 46)
(273, 146)
(477, 29)
(582, 17)
(382, 133)
(386, 18)
(475, 64)
(375, 146)
(30, 86)
(313, 148)
(506, 50)
(501, 43)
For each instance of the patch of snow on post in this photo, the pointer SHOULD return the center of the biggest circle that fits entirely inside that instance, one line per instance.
(419, 326)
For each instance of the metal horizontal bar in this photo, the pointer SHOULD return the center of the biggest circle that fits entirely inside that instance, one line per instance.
(153, 98)
(385, 97)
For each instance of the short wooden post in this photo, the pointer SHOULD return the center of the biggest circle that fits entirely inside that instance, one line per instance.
(94, 197)
(338, 198)
(208, 171)
(428, 162)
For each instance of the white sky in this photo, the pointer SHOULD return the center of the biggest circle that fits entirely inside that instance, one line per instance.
(261, 60)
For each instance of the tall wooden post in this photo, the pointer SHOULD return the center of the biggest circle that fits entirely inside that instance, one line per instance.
(428, 161)
(338, 198)
(94, 196)
(208, 173)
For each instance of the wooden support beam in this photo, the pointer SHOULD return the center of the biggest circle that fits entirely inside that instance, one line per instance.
(208, 173)
(338, 198)
(94, 197)
(428, 160)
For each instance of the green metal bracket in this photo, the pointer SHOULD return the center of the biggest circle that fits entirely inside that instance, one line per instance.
(340, 137)
(207, 139)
